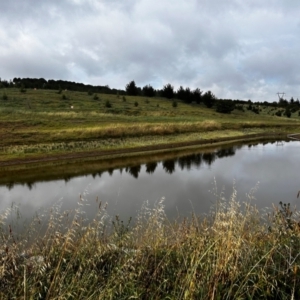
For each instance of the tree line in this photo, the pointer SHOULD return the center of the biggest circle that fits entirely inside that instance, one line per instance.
(184, 94)
(168, 91)
(210, 100)
(41, 83)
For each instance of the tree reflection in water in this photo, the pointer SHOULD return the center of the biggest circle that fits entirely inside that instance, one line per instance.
(225, 152)
(150, 167)
(169, 165)
(10, 185)
(209, 158)
(134, 171)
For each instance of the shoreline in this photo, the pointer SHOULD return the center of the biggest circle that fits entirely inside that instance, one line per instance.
(128, 152)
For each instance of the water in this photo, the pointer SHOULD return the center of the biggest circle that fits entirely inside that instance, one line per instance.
(188, 183)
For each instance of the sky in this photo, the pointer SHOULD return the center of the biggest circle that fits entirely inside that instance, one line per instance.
(238, 49)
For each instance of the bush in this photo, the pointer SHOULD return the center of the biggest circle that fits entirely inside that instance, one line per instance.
(90, 93)
(124, 99)
(4, 96)
(174, 104)
(136, 104)
(240, 107)
(225, 106)
(64, 97)
(96, 97)
(288, 113)
(107, 104)
(294, 109)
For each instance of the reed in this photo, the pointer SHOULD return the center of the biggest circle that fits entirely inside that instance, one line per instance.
(234, 252)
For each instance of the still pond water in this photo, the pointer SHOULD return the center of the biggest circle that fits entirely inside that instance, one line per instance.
(188, 183)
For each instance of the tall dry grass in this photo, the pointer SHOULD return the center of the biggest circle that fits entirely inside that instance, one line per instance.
(141, 129)
(235, 252)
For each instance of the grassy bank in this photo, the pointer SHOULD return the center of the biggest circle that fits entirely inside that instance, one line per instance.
(235, 252)
(42, 123)
(96, 165)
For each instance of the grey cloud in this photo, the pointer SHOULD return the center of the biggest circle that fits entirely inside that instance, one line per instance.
(231, 47)
(279, 64)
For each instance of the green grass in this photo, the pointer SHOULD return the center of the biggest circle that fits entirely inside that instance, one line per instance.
(235, 252)
(40, 122)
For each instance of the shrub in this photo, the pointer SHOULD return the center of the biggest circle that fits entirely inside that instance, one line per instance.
(294, 109)
(64, 97)
(240, 107)
(136, 104)
(107, 104)
(4, 96)
(124, 99)
(96, 97)
(288, 113)
(225, 106)
(174, 104)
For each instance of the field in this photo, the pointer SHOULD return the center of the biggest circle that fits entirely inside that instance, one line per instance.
(44, 123)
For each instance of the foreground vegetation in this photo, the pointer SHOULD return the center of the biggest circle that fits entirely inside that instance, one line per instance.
(235, 252)
(35, 124)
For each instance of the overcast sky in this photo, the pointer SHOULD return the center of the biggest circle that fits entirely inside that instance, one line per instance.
(239, 49)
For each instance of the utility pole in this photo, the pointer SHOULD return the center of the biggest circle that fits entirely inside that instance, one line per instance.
(280, 95)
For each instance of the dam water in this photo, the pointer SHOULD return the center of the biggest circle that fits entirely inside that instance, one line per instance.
(263, 173)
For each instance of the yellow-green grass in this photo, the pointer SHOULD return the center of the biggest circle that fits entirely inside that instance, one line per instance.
(40, 122)
(56, 148)
(234, 252)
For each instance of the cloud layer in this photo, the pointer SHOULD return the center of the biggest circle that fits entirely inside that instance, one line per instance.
(242, 50)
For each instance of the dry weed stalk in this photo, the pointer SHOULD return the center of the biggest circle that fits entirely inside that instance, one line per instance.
(234, 252)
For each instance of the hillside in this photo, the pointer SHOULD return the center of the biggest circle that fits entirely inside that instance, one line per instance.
(38, 123)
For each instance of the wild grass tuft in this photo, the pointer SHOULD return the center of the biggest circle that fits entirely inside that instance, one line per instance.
(235, 252)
